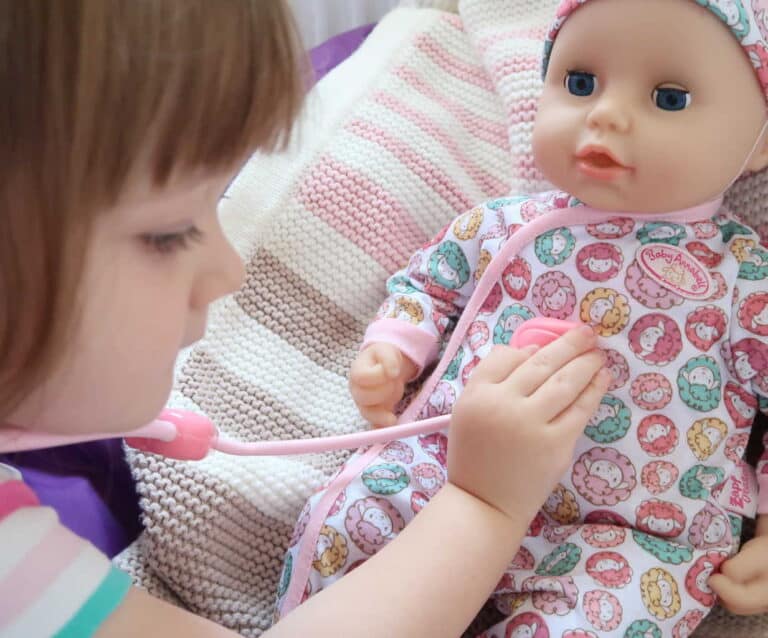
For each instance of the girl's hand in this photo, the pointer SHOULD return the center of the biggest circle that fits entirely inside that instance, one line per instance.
(515, 425)
(377, 381)
(742, 583)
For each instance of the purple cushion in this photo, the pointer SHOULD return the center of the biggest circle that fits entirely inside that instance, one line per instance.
(332, 52)
(90, 484)
(91, 488)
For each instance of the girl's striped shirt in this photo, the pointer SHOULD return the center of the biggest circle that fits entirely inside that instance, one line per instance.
(52, 582)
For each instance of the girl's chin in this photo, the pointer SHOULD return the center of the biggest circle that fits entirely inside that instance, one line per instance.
(156, 400)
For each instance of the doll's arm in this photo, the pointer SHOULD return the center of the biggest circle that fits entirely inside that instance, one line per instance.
(743, 582)
(425, 300)
(427, 297)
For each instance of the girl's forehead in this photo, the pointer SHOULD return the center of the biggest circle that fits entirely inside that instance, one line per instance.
(180, 197)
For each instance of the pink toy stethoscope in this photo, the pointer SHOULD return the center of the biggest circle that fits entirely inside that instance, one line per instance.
(188, 436)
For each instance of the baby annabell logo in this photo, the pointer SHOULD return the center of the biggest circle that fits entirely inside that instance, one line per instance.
(676, 270)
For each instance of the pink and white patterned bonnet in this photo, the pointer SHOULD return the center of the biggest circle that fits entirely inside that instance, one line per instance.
(747, 20)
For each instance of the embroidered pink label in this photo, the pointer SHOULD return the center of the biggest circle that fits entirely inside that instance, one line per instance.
(676, 270)
(739, 493)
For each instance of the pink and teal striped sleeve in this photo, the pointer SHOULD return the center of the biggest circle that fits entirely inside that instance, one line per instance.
(52, 582)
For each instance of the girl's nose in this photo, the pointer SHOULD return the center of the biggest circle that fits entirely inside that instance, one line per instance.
(222, 273)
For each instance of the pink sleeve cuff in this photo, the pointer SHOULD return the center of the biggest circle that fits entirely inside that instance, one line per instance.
(418, 345)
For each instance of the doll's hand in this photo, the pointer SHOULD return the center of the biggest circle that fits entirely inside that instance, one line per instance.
(742, 583)
(514, 427)
(377, 381)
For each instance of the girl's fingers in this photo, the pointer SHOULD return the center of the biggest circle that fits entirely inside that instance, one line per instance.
(574, 418)
(499, 364)
(385, 394)
(566, 385)
(542, 365)
(738, 598)
(746, 566)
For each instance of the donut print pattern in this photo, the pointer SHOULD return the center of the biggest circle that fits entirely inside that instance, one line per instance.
(624, 545)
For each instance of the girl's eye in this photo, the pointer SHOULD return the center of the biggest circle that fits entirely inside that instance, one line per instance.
(580, 83)
(165, 243)
(670, 99)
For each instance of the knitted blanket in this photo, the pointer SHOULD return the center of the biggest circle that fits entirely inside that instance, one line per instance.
(433, 114)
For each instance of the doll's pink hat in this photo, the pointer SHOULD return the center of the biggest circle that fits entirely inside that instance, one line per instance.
(747, 20)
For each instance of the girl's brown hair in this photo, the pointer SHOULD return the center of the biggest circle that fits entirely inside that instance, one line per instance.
(88, 90)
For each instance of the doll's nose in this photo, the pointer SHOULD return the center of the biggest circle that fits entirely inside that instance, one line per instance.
(609, 113)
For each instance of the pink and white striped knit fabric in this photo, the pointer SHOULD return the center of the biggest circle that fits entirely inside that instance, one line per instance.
(433, 114)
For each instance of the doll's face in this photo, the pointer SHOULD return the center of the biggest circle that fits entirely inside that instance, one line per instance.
(659, 86)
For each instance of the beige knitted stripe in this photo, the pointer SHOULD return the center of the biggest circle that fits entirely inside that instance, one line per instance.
(749, 196)
(325, 259)
(247, 412)
(273, 292)
(133, 561)
(229, 565)
(264, 360)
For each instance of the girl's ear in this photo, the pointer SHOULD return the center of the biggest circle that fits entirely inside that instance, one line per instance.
(759, 159)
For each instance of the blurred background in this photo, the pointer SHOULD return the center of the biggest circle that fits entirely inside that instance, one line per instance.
(322, 19)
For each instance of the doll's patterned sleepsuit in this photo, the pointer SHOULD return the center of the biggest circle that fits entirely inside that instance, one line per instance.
(652, 502)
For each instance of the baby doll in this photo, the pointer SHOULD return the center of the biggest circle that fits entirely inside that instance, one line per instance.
(650, 110)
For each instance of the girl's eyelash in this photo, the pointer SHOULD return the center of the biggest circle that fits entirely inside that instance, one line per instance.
(165, 243)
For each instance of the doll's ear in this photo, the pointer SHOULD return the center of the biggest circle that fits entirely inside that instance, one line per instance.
(759, 159)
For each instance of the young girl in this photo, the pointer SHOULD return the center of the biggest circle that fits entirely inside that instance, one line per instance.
(650, 110)
(121, 124)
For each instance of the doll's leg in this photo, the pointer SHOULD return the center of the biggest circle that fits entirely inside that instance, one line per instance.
(332, 551)
(367, 510)
(607, 582)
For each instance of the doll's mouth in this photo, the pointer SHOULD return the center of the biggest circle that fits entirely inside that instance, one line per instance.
(599, 160)
(600, 163)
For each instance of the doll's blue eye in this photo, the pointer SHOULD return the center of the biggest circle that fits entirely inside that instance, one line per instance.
(580, 83)
(670, 99)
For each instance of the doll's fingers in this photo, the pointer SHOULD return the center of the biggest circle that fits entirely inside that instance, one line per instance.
(575, 417)
(390, 359)
(366, 373)
(551, 358)
(378, 416)
(566, 385)
(738, 598)
(384, 394)
(501, 362)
